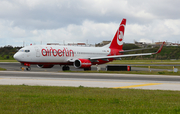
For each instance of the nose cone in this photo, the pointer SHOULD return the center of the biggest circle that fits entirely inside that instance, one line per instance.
(17, 56)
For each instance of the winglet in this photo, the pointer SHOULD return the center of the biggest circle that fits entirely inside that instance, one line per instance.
(160, 49)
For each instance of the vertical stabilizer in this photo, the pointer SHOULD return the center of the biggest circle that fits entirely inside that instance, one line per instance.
(117, 42)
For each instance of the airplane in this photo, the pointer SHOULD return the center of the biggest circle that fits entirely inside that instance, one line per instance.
(46, 56)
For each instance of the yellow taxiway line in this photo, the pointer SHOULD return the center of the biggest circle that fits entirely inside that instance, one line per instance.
(132, 86)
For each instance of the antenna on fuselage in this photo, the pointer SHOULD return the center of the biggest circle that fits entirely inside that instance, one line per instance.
(64, 42)
(86, 42)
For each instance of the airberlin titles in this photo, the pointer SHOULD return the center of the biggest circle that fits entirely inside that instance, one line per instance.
(57, 52)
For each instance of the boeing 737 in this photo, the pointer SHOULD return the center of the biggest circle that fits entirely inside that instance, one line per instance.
(46, 56)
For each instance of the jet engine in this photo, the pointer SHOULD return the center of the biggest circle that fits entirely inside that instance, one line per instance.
(82, 63)
(45, 66)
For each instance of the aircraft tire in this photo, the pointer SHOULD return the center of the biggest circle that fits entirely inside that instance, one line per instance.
(87, 69)
(28, 68)
(64, 68)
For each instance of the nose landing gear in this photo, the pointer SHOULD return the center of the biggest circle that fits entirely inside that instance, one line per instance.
(28, 68)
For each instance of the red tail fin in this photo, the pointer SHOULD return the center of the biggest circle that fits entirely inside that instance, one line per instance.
(117, 42)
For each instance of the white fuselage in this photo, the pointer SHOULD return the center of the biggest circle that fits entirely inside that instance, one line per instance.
(57, 54)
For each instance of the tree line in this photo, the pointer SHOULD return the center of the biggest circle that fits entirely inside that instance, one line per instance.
(8, 51)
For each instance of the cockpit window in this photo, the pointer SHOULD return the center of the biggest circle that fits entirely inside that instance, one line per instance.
(27, 50)
(24, 50)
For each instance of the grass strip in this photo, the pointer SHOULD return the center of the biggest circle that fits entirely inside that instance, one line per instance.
(2, 69)
(65, 100)
(151, 62)
(8, 61)
(159, 67)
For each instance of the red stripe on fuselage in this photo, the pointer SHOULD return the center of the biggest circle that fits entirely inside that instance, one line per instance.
(51, 63)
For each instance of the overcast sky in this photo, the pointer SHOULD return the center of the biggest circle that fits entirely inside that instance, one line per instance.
(36, 21)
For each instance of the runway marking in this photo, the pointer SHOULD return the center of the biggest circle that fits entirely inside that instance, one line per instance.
(132, 86)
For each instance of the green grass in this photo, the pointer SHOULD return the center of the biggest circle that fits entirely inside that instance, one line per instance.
(42, 99)
(159, 67)
(8, 61)
(3, 58)
(2, 69)
(159, 62)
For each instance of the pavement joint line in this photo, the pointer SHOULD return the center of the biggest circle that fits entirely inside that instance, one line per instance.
(132, 86)
(15, 78)
(67, 80)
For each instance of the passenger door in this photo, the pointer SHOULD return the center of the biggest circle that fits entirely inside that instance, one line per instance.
(37, 51)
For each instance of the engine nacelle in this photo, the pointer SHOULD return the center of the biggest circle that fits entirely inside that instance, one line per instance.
(82, 63)
(45, 66)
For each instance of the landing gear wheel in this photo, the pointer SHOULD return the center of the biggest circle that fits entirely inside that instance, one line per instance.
(87, 69)
(64, 68)
(28, 68)
(22, 68)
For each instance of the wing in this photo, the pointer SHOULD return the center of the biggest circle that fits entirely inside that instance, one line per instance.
(128, 55)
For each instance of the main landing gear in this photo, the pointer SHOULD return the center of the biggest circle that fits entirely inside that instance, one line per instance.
(65, 67)
(87, 69)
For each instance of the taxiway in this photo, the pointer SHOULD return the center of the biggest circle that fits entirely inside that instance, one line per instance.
(152, 82)
(55, 77)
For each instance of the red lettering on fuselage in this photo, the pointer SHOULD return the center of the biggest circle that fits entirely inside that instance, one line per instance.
(57, 52)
